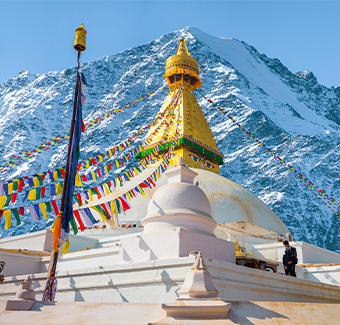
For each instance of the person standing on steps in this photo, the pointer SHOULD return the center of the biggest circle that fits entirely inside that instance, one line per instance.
(289, 259)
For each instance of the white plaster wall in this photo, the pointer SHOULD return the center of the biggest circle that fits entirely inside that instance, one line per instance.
(88, 259)
(174, 242)
(19, 264)
(38, 241)
(325, 274)
(159, 280)
(80, 242)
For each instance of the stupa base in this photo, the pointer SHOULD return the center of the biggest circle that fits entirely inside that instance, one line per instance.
(197, 309)
(20, 304)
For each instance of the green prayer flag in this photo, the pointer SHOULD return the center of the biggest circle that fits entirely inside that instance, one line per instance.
(48, 206)
(119, 209)
(74, 226)
(38, 193)
(76, 198)
(8, 200)
(60, 175)
(94, 191)
(16, 215)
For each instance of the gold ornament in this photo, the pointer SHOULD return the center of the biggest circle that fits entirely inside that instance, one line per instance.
(182, 68)
(80, 41)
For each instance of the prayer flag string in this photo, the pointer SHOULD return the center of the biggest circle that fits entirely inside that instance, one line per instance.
(326, 199)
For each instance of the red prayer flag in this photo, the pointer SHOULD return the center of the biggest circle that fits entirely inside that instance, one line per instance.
(14, 197)
(105, 209)
(21, 211)
(21, 185)
(42, 192)
(80, 221)
(125, 205)
(79, 198)
(98, 192)
(143, 185)
(55, 207)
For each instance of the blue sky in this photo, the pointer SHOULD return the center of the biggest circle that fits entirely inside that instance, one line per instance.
(38, 35)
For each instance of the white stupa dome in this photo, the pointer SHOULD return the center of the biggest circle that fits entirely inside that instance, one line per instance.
(229, 201)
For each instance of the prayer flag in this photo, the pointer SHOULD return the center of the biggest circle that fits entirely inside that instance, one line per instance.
(32, 195)
(78, 181)
(90, 215)
(33, 213)
(72, 171)
(87, 221)
(80, 221)
(48, 206)
(43, 210)
(55, 207)
(7, 214)
(16, 215)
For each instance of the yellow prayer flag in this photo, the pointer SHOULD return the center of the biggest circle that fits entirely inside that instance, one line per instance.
(43, 209)
(113, 208)
(2, 201)
(106, 188)
(66, 246)
(35, 181)
(90, 195)
(58, 188)
(100, 213)
(7, 214)
(141, 190)
(117, 163)
(55, 175)
(32, 195)
(10, 188)
(106, 169)
(78, 181)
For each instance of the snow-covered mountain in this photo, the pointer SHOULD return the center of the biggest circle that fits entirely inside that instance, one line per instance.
(290, 112)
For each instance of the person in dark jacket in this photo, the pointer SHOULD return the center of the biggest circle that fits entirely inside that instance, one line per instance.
(289, 259)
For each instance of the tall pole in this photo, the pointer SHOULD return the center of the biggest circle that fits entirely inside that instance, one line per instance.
(79, 45)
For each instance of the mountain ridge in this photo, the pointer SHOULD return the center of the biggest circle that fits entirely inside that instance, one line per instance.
(295, 116)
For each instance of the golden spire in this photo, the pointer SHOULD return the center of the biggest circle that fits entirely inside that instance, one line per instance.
(184, 122)
(182, 67)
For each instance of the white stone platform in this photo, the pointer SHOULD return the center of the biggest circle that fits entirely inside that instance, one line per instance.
(247, 313)
(157, 281)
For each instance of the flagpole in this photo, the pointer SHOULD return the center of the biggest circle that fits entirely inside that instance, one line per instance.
(79, 45)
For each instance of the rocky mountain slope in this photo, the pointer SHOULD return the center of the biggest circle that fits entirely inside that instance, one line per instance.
(290, 112)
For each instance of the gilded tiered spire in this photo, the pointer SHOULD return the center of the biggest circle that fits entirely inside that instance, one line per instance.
(181, 118)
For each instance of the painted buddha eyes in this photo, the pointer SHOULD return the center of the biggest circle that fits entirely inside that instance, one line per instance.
(198, 158)
(194, 158)
(208, 164)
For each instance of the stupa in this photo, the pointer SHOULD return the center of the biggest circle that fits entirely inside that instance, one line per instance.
(191, 212)
(187, 126)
